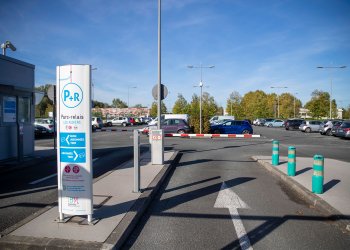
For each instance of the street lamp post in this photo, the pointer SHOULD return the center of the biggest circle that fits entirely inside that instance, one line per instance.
(278, 99)
(130, 87)
(92, 85)
(294, 103)
(201, 86)
(330, 97)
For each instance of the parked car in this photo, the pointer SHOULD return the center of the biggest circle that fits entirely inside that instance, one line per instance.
(293, 123)
(310, 126)
(96, 122)
(258, 122)
(266, 120)
(217, 118)
(326, 127)
(47, 123)
(40, 131)
(335, 128)
(344, 129)
(232, 127)
(121, 121)
(179, 126)
(274, 123)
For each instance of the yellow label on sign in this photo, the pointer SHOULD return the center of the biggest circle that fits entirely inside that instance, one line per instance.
(318, 173)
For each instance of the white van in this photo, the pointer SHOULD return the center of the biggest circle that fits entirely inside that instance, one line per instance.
(169, 116)
(217, 118)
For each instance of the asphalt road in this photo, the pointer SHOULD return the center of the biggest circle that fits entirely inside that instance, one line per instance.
(187, 214)
(184, 215)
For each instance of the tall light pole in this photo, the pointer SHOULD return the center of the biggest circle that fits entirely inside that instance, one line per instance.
(130, 87)
(201, 86)
(330, 97)
(92, 85)
(159, 101)
(278, 98)
(294, 102)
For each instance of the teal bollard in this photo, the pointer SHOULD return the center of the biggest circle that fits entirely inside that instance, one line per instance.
(291, 161)
(275, 153)
(317, 177)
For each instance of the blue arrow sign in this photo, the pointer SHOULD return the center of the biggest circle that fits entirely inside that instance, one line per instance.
(72, 140)
(76, 155)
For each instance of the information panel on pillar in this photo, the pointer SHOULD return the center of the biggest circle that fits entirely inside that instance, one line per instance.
(73, 136)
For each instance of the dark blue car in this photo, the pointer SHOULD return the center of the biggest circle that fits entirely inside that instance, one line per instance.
(232, 127)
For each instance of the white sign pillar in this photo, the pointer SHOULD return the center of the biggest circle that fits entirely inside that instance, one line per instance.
(157, 146)
(74, 156)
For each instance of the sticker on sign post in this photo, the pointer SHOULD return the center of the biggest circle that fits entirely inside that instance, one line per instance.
(73, 134)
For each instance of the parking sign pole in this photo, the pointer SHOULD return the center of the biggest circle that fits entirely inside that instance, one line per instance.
(74, 155)
(136, 161)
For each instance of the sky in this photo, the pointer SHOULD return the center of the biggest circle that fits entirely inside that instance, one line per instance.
(254, 45)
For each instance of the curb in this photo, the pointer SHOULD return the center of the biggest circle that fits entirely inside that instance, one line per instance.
(308, 196)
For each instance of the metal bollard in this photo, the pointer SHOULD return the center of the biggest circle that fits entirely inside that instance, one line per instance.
(136, 161)
(291, 161)
(275, 153)
(317, 177)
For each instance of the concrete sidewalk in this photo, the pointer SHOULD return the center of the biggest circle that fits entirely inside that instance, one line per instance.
(115, 205)
(335, 199)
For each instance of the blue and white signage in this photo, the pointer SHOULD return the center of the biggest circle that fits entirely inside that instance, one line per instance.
(72, 95)
(74, 137)
(73, 155)
(72, 140)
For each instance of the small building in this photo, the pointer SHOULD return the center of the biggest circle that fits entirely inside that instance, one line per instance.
(16, 108)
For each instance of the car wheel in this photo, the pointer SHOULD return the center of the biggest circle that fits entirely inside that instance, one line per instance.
(328, 132)
(216, 131)
(270, 126)
(124, 124)
(245, 131)
(308, 130)
(109, 124)
(181, 131)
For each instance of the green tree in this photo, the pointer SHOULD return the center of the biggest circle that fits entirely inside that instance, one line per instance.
(257, 104)
(346, 113)
(287, 105)
(138, 106)
(97, 104)
(118, 103)
(154, 111)
(233, 105)
(181, 106)
(209, 109)
(319, 104)
(46, 105)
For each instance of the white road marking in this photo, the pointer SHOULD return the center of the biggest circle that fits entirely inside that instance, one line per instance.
(42, 179)
(50, 176)
(229, 199)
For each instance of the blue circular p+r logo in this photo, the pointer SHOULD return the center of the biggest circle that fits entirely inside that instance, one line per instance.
(72, 95)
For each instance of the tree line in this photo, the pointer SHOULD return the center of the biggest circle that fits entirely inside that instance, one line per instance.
(254, 104)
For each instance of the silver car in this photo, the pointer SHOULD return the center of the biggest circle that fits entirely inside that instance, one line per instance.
(326, 127)
(310, 126)
(344, 130)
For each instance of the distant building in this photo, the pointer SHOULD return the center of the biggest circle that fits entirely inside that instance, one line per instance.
(114, 112)
(340, 113)
(304, 113)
